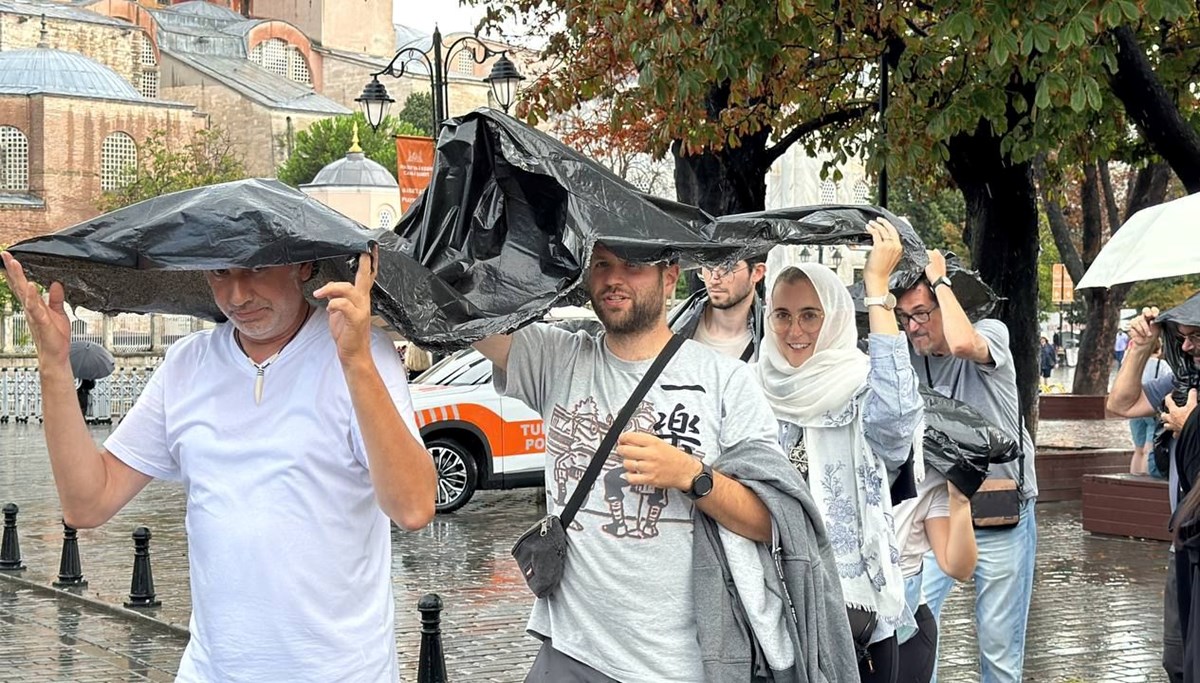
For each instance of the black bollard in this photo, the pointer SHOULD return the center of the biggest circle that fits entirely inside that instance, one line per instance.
(70, 571)
(10, 547)
(141, 587)
(431, 665)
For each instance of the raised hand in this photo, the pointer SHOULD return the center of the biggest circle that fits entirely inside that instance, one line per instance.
(48, 322)
(1142, 329)
(349, 306)
(885, 255)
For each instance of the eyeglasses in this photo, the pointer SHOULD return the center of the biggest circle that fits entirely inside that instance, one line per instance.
(1193, 338)
(710, 274)
(919, 317)
(810, 321)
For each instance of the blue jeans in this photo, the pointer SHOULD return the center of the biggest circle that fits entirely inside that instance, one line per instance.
(1003, 587)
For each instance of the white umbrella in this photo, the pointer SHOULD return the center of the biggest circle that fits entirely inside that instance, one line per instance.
(1158, 241)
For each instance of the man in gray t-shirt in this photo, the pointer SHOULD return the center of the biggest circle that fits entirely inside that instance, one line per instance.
(624, 609)
(972, 363)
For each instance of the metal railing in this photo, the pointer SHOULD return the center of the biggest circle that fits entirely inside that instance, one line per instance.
(111, 398)
(122, 333)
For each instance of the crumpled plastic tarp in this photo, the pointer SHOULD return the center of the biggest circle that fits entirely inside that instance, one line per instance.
(976, 297)
(149, 257)
(961, 443)
(506, 227)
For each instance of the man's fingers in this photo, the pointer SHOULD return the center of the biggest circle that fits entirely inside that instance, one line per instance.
(1191, 399)
(365, 274)
(332, 290)
(57, 296)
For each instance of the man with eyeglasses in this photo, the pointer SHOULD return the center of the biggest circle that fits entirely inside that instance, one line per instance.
(1136, 395)
(971, 362)
(727, 315)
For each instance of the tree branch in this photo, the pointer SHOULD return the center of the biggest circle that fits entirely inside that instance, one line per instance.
(811, 126)
(1110, 197)
(1059, 227)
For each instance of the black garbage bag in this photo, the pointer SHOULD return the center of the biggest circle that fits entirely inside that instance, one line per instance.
(960, 443)
(1187, 374)
(149, 257)
(506, 227)
(976, 297)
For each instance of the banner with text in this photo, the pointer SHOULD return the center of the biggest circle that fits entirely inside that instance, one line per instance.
(414, 166)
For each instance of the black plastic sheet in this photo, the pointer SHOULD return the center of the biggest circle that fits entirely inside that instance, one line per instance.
(149, 257)
(1187, 374)
(507, 225)
(960, 443)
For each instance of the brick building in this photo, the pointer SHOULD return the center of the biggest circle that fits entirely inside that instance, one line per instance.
(70, 129)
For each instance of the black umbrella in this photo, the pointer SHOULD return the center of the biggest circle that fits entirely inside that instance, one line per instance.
(149, 257)
(505, 228)
(90, 360)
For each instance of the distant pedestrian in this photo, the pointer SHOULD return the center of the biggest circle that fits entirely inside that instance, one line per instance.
(1047, 359)
(1119, 345)
(1143, 429)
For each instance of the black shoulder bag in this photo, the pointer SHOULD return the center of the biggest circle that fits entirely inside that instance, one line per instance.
(541, 552)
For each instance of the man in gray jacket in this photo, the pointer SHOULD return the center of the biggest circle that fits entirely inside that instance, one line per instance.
(629, 604)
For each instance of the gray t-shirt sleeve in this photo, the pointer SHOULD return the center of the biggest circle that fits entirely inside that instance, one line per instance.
(539, 355)
(1157, 389)
(996, 335)
(747, 423)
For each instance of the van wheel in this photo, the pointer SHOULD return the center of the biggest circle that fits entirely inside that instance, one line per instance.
(457, 474)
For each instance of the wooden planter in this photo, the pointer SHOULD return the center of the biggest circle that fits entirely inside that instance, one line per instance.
(1071, 407)
(1126, 505)
(1060, 470)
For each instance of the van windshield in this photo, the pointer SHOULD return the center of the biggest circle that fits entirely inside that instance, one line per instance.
(464, 368)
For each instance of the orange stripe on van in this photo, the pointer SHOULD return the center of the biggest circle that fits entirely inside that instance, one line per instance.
(506, 438)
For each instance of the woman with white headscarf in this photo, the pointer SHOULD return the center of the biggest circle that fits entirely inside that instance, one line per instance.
(847, 421)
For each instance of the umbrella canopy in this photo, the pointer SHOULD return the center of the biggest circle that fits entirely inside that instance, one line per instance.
(90, 360)
(1154, 243)
(149, 257)
(506, 227)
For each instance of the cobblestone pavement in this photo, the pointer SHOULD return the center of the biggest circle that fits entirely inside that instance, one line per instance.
(1096, 612)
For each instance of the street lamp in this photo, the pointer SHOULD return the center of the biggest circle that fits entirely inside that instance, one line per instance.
(805, 255)
(836, 259)
(503, 79)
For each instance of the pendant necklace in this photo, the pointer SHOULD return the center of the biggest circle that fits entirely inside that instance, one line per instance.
(261, 368)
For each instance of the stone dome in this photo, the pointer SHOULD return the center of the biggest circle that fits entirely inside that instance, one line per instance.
(45, 70)
(355, 170)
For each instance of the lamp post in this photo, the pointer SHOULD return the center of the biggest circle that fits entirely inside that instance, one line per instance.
(503, 79)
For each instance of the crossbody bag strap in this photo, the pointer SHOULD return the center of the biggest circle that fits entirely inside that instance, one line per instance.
(610, 439)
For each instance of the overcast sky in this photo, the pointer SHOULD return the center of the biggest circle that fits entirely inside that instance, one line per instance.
(447, 14)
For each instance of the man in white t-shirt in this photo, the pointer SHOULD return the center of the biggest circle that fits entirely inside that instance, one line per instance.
(727, 316)
(291, 429)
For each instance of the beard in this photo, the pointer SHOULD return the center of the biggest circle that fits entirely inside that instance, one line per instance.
(733, 298)
(643, 314)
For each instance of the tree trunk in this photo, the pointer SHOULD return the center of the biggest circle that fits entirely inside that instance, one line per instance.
(729, 180)
(1153, 109)
(1002, 220)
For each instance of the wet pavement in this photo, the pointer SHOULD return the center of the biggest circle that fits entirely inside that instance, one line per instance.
(1096, 613)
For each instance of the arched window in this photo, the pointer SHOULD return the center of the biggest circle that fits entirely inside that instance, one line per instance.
(862, 192)
(118, 161)
(280, 58)
(466, 62)
(828, 192)
(387, 218)
(148, 79)
(14, 160)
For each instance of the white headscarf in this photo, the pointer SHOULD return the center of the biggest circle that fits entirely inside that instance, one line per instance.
(832, 375)
(825, 396)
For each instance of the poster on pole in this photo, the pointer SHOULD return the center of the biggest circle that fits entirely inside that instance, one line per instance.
(414, 167)
(1062, 289)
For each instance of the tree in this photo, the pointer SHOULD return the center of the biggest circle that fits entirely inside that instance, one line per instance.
(328, 140)
(978, 91)
(936, 212)
(418, 113)
(209, 158)
(623, 152)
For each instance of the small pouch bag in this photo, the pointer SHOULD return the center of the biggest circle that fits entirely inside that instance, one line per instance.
(541, 552)
(862, 627)
(997, 504)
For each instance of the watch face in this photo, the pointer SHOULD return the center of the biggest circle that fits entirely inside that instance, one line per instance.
(702, 485)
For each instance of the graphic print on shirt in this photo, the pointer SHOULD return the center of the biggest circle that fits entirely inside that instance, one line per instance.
(631, 511)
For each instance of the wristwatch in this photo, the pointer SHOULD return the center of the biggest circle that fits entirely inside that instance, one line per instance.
(888, 301)
(702, 484)
(943, 280)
